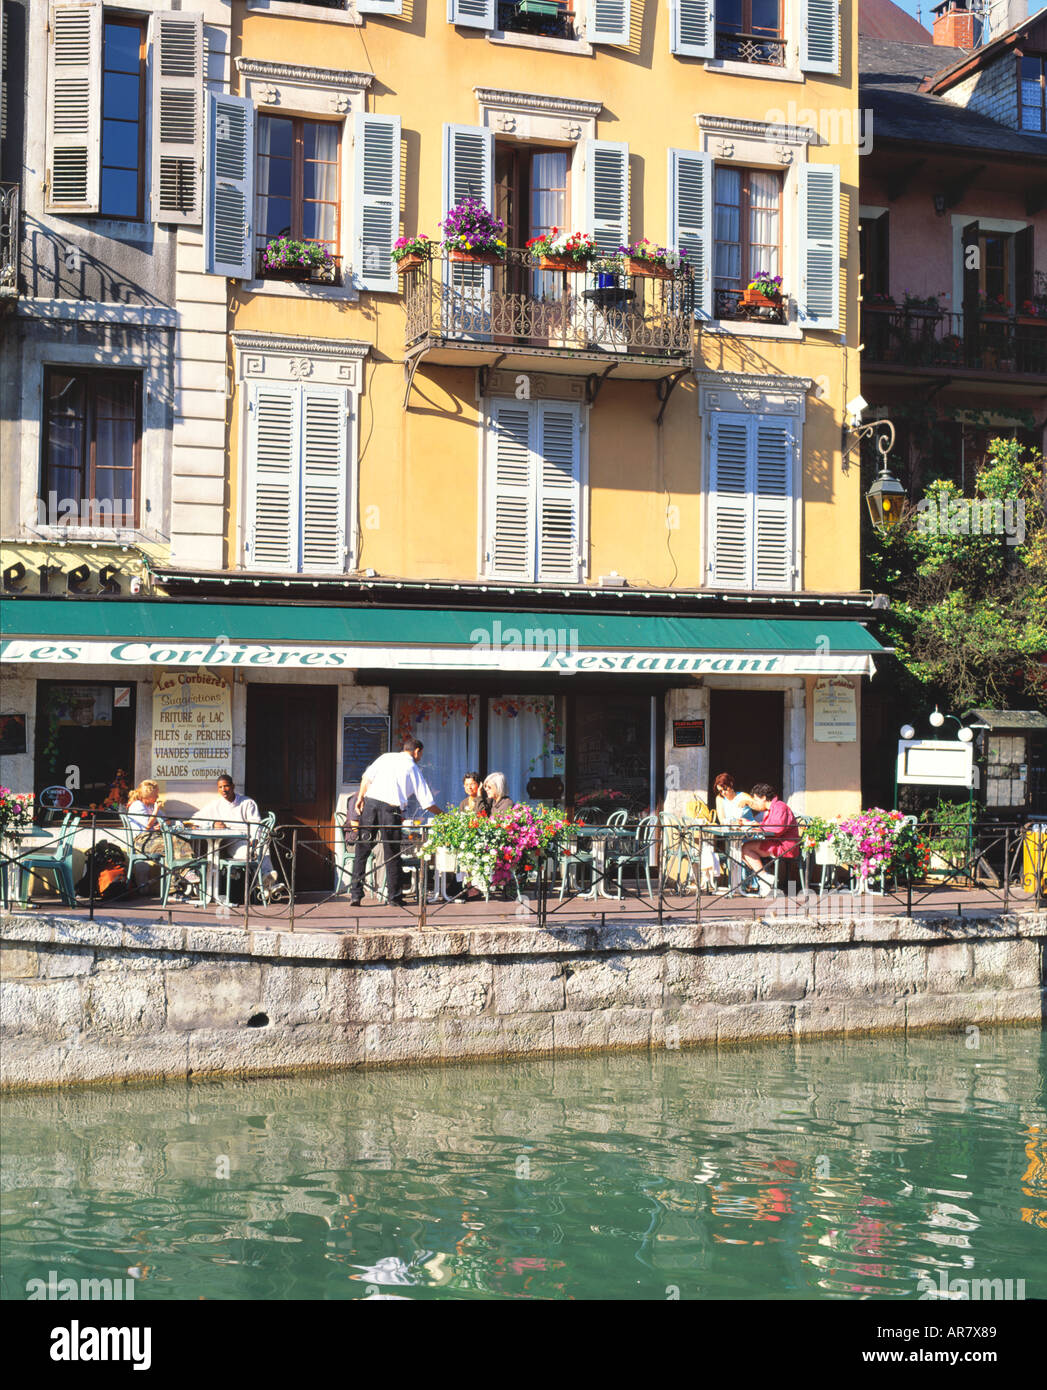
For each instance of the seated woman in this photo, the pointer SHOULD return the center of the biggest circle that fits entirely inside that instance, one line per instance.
(698, 812)
(475, 798)
(780, 835)
(732, 807)
(495, 786)
(144, 812)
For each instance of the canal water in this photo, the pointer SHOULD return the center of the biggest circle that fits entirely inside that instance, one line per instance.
(886, 1168)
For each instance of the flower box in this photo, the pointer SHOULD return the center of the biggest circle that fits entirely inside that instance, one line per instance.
(650, 270)
(476, 257)
(559, 263)
(755, 299)
(825, 855)
(446, 860)
(407, 263)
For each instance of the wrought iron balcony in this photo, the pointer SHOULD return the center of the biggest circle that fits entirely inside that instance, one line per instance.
(10, 236)
(519, 308)
(751, 48)
(929, 339)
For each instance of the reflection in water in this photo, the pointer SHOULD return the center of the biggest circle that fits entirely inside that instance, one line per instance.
(829, 1169)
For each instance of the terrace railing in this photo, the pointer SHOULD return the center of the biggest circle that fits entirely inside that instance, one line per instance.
(751, 48)
(930, 338)
(10, 223)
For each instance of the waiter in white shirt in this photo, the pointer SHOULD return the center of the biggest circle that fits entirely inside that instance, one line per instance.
(387, 786)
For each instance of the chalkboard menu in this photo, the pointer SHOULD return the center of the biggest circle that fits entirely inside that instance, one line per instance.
(688, 733)
(364, 737)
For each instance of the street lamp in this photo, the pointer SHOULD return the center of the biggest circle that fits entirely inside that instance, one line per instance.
(884, 498)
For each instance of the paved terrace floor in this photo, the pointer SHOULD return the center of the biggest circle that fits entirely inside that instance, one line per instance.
(319, 913)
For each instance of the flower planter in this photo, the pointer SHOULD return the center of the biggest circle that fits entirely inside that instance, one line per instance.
(476, 257)
(407, 263)
(649, 270)
(559, 263)
(606, 280)
(754, 299)
(825, 855)
(294, 273)
(446, 860)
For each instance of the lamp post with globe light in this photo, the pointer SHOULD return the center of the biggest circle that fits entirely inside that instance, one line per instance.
(964, 734)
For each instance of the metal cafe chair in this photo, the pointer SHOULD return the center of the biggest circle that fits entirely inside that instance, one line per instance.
(676, 850)
(163, 859)
(633, 848)
(257, 848)
(57, 860)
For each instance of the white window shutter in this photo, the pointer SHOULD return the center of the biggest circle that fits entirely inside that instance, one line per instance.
(509, 544)
(177, 60)
(74, 107)
(820, 36)
(730, 502)
(608, 21)
(691, 219)
(273, 433)
(468, 165)
(692, 28)
(476, 14)
(819, 236)
(773, 492)
(607, 193)
(376, 201)
(325, 430)
(380, 6)
(229, 187)
(557, 470)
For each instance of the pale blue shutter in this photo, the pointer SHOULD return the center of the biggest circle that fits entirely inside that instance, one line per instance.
(324, 434)
(608, 21)
(819, 237)
(229, 187)
(376, 200)
(730, 502)
(177, 62)
(607, 193)
(773, 504)
(509, 543)
(273, 452)
(692, 28)
(691, 218)
(468, 172)
(74, 107)
(820, 36)
(476, 14)
(557, 471)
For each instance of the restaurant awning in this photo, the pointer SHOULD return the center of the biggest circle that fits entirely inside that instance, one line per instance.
(169, 632)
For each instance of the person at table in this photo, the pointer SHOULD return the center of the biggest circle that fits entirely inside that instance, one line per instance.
(385, 790)
(698, 813)
(779, 835)
(231, 811)
(475, 798)
(144, 812)
(732, 807)
(496, 787)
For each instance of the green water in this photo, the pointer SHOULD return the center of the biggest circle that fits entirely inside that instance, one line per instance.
(828, 1170)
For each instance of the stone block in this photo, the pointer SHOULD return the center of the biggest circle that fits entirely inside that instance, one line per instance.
(899, 969)
(616, 980)
(720, 978)
(424, 990)
(744, 1022)
(214, 995)
(123, 1005)
(689, 1024)
(948, 1010)
(817, 1017)
(528, 986)
(45, 1009)
(17, 962)
(293, 994)
(1021, 1005)
(579, 1030)
(77, 932)
(150, 936)
(473, 1037)
(403, 1040)
(629, 1027)
(273, 1049)
(845, 972)
(786, 975)
(1006, 964)
(56, 961)
(524, 1034)
(949, 967)
(367, 993)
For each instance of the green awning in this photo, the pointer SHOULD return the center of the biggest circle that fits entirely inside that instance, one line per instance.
(152, 632)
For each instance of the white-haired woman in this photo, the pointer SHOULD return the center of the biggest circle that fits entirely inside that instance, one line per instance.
(495, 787)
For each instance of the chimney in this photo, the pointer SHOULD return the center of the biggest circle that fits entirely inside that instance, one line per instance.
(955, 25)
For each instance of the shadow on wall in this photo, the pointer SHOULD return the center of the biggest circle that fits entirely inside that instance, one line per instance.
(58, 267)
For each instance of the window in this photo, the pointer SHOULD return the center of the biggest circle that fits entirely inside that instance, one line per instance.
(534, 491)
(750, 31)
(297, 193)
(1033, 93)
(548, 19)
(747, 220)
(751, 502)
(995, 267)
(92, 445)
(531, 198)
(91, 727)
(875, 247)
(123, 118)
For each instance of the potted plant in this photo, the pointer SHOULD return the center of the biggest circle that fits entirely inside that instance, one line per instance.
(287, 259)
(560, 250)
(922, 303)
(995, 308)
(654, 262)
(764, 291)
(473, 233)
(608, 269)
(409, 252)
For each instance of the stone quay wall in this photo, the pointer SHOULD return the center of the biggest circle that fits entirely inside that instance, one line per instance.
(115, 1001)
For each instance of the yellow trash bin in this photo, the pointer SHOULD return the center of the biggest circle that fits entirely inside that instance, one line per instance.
(1034, 856)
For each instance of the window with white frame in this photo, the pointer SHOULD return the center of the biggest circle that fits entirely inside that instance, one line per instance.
(764, 34)
(596, 21)
(751, 501)
(533, 491)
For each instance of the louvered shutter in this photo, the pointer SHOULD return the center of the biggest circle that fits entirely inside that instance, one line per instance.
(559, 494)
(74, 107)
(819, 208)
(380, 6)
(607, 193)
(820, 36)
(773, 504)
(178, 111)
(273, 433)
(511, 489)
(608, 21)
(730, 503)
(228, 236)
(376, 203)
(477, 14)
(323, 472)
(468, 172)
(692, 28)
(690, 219)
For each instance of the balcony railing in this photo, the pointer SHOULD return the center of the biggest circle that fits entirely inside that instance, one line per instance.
(515, 303)
(10, 204)
(751, 48)
(727, 304)
(316, 275)
(929, 338)
(548, 19)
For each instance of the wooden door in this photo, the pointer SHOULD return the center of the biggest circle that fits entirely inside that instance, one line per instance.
(747, 737)
(291, 737)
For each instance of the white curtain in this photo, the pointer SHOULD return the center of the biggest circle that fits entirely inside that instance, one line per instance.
(548, 210)
(446, 724)
(324, 167)
(763, 229)
(524, 740)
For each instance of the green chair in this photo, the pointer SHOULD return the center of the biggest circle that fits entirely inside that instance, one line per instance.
(257, 848)
(57, 861)
(633, 848)
(676, 850)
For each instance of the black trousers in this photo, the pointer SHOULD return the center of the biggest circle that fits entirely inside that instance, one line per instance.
(379, 819)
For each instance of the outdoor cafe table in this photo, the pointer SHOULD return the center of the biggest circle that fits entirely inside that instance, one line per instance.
(733, 837)
(211, 840)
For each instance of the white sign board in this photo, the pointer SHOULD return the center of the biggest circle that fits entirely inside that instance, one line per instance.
(192, 726)
(935, 763)
(835, 710)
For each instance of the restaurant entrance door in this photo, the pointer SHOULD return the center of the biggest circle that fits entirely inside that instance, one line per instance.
(747, 737)
(290, 770)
